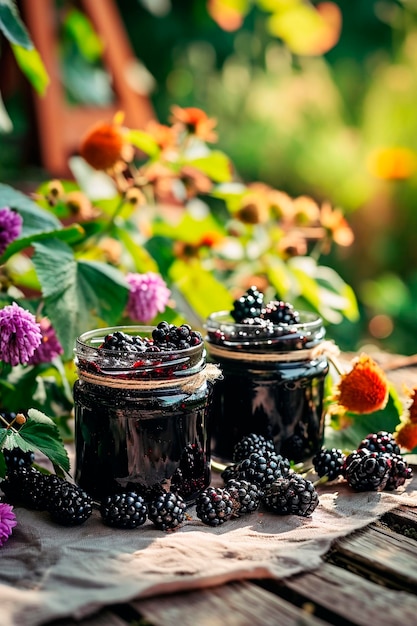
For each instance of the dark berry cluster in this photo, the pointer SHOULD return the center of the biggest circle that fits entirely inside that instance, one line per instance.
(251, 309)
(66, 503)
(374, 466)
(264, 477)
(165, 338)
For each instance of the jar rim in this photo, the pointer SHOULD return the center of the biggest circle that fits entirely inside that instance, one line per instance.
(92, 339)
(223, 330)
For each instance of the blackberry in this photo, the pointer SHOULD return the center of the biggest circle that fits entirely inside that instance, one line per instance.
(295, 448)
(329, 462)
(124, 510)
(247, 306)
(262, 468)
(170, 337)
(292, 495)
(382, 441)
(16, 458)
(70, 505)
(122, 342)
(280, 312)
(399, 472)
(246, 497)
(230, 472)
(367, 471)
(251, 443)
(214, 506)
(167, 511)
(261, 328)
(25, 486)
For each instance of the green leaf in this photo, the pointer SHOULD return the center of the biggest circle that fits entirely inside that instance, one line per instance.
(141, 258)
(6, 125)
(3, 433)
(3, 467)
(32, 66)
(35, 219)
(83, 34)
(215, 165)
(71, 234)
(12, 26)
(143, 141)
(41, 432)
(203, 292)
(78, 295)
(350, 437)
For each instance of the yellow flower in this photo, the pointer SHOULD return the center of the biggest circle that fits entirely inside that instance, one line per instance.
(394, 163)
(364, 389)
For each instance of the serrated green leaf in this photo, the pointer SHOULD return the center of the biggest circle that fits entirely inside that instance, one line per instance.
(3, 433)
(215, 165)
(12, 26)
(78, 295)
(40, 432)
(32, 66)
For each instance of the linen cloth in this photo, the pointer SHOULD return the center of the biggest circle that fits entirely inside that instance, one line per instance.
(49, 571)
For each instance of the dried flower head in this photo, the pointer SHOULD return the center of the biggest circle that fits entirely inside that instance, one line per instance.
(80, 206)
(102, 146)
(20, 334)
(10, 227)
(406, 434)
(148, 296)
(195, 122)
(164, 136)
(364, 389)
(49, 346)
(7, 522)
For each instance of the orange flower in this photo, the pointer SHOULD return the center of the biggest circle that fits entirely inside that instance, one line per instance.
(102, 146)
(306, 211)
(365, 388)
(336, 225)
(196, 122)
(412, 409)
(164, 135)
(406, 434)
(394, 163)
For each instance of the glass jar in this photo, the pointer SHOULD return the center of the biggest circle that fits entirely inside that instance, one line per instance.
(141, 420)
(273, 385)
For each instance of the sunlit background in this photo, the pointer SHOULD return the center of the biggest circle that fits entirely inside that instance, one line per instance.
(332, 115)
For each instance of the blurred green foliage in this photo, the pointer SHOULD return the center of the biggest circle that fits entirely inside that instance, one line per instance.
(303, 124)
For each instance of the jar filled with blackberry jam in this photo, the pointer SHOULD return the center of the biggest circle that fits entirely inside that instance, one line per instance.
(274, 368)
(142, 404)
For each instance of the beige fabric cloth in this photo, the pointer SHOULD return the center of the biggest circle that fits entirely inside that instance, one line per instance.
(48, 571)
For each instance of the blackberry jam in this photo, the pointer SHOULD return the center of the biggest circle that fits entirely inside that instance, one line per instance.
(141, 419)
(273, 384)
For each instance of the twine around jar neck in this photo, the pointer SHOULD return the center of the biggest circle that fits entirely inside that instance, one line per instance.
(325, 349)
(186, 384)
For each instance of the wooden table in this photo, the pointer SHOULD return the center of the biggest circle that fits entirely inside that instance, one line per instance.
(367, 578)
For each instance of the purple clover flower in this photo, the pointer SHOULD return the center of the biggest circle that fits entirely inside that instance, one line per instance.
(20, 334)
(10, 227)
(7, 522)
(148, 296)
(49, 346)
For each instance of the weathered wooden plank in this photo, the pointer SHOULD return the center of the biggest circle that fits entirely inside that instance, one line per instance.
(402, 520)
(104, 618)
(343, 597)
(379, 554)
(234, 604)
